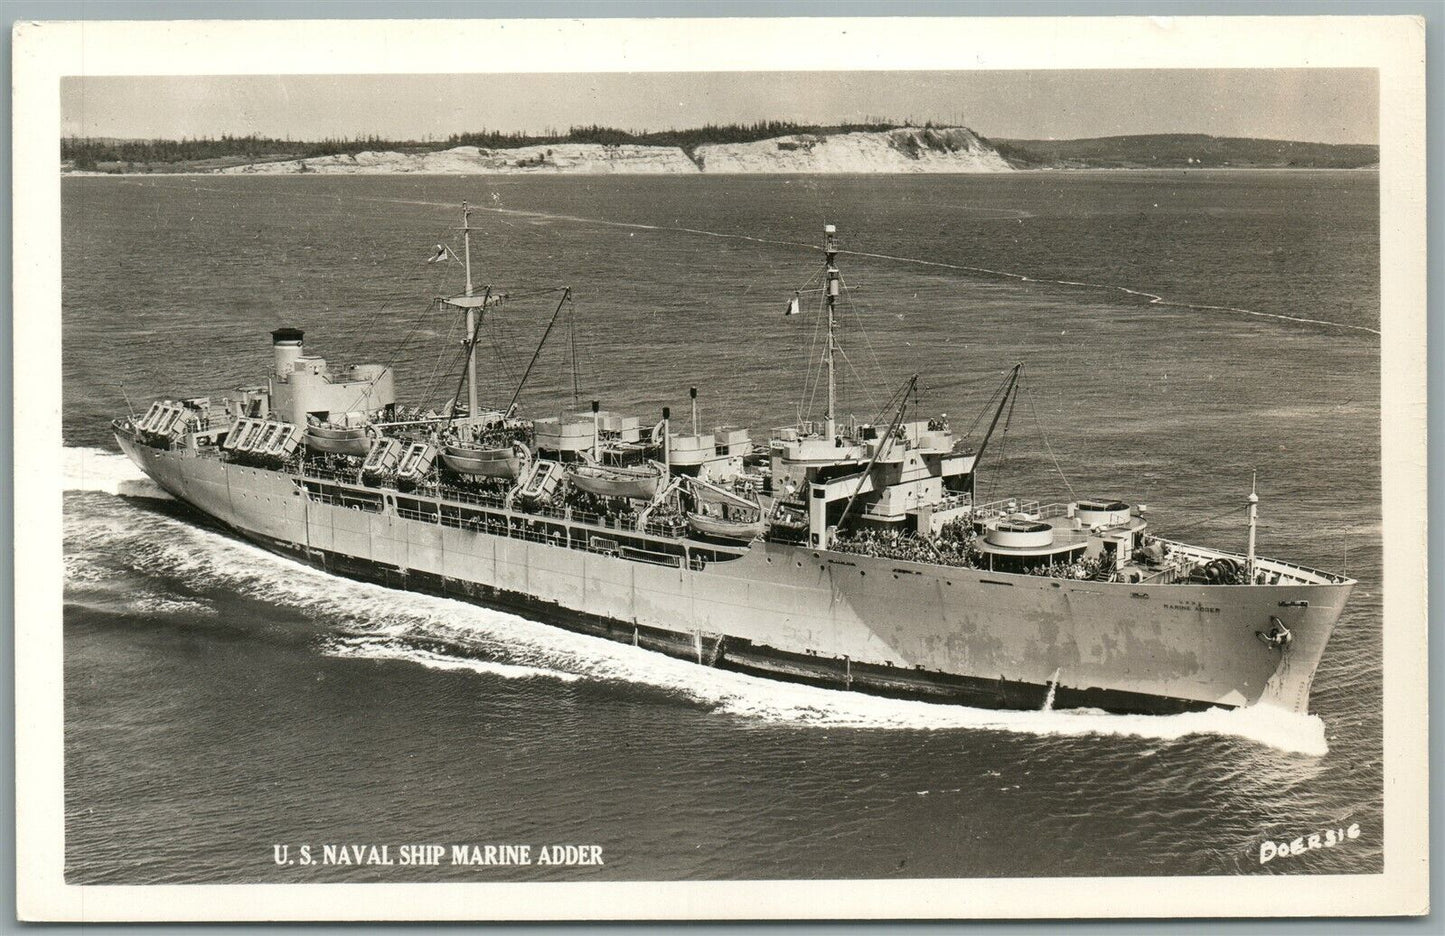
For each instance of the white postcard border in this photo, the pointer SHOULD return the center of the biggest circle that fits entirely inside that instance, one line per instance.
(46, 52)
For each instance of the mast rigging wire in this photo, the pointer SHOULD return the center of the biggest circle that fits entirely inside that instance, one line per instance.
(1044, 436)
(415, 325)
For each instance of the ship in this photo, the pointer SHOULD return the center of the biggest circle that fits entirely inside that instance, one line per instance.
(846, 554)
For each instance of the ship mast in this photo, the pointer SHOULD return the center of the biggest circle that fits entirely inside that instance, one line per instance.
(471, 313)
(1253, 522)
(830, 293)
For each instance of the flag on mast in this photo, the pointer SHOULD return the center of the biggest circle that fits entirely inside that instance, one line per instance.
(794, 306)
(441, 253)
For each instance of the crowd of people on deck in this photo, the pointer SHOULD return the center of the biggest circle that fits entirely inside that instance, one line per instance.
(341, 465)
(955, 545)
(666, 517)
(1081, 568)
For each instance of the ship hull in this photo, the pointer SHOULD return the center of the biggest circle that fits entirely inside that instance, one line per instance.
(845, 621)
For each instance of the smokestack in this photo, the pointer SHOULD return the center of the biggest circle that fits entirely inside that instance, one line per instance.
(286, 346)
(596, 433)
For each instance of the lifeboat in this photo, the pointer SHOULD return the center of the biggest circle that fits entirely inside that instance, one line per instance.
(723, 514)
(417, 461)
(638, 483)
(499, 462)
(268, 437)
(162, 419)
(338, 440)
(383, 457)
(285, 442)
(249, 432)
(541, 480)
(744, 531)
(233, 436)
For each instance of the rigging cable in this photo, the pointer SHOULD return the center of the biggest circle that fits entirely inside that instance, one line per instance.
(433, 382)
(813, 374)
(1003, 440)
(572, 345)
(987, 407)
(1044, 436)
(855, 310)
(411, 333)
(872, 401)
(1189, 526)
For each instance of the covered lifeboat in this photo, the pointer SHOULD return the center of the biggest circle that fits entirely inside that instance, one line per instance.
(503, 461)
(339, 440)
(638, 483)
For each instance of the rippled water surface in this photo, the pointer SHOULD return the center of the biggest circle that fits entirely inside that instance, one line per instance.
(1180, 330)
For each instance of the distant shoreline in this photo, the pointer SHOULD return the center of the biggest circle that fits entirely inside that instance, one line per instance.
(69, 174)
(713, 151)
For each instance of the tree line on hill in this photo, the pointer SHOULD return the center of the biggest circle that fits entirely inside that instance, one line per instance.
(88, 154)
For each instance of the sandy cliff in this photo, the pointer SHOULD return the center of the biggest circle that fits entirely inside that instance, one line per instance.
(582, 158)
(955, 149)
(952, 149)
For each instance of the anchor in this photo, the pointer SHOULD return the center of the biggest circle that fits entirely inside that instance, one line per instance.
(1277, 637)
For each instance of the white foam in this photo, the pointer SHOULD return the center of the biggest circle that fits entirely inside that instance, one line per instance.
(93, 469)
(385, 623)
(368, 648)
(163, 604)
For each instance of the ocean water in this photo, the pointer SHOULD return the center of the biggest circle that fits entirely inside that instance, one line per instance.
(1180, 331)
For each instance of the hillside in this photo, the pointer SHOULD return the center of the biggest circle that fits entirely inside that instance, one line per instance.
(1183, 151)
(899, 150)
(590, 150)
(904, 149)
(578, 158)
(769, 147)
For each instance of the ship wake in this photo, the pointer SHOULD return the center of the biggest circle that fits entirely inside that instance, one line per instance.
(371, 623)
(93, 469)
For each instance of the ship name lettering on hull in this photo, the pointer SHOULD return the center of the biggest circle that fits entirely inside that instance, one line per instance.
(1192, 606)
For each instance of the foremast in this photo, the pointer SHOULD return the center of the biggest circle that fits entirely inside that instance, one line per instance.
(471, 311)
(831, 286)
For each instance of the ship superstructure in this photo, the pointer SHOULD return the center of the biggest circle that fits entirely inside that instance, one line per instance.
(844, 553)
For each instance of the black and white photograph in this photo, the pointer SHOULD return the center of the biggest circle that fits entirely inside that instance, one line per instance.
(918, 476)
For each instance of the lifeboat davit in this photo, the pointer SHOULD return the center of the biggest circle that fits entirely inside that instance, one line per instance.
(500, 462)
(744, 531)
(638, 483)
(339, 440)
